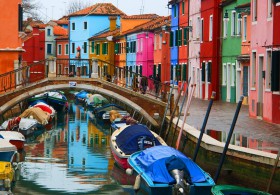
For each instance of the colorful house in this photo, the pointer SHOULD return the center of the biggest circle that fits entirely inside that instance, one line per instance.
(231, 48)
(162, 51)
(264, 95)
(34, 45)
(209, 48)
(194, 68)
(86, 23)
(62, 54)
(10, 36)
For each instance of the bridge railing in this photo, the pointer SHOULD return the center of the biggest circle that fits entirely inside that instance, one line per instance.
(23, 76)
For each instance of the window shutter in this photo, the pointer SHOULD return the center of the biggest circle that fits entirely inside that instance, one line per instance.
(176, 37)
(137, 69)
(92, 47)
(171, 71)
(155, 70)
(130, 70)
(209, 69)
(171, 39)
(184, 72)
(203, 72)
(140, 70)
(180, 37)
(275, 71)
(159, 70)
(185, 36)
(127, 47)
(126, 71)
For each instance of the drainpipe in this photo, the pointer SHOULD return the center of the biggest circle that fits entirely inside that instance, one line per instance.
(188, 50)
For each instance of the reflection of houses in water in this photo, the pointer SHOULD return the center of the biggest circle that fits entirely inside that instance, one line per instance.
(243, 141)
(81, 157)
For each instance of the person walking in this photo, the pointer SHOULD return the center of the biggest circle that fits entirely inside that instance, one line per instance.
(144, 84)
(157, 82)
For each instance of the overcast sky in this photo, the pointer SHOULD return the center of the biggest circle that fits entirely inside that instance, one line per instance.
(55, 9)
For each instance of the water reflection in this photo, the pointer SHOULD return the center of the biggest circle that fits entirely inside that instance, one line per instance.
(72, 158)
(244, 141)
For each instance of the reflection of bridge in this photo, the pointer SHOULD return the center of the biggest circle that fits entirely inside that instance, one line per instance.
(20, 84)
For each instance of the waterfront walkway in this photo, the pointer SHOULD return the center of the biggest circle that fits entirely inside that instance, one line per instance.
(221, 117)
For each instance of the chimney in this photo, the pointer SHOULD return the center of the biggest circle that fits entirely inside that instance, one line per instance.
(113, 22)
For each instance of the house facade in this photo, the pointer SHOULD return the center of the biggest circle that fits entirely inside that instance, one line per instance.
(10, 36)
(264, 95)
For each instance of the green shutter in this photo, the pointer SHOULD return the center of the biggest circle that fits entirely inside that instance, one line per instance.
(140, 70)
(185, 36)
(130, 70)
(183, 7)
(171, 38)
(171, 72)
(203, 71)
(106, 51)
(176, 37)
(209, 69)
(184, 72)
(127, 47)
(126, 71)
(155, 71)
(92, 47)
(275, 71)
(159, 70)
(180, 37)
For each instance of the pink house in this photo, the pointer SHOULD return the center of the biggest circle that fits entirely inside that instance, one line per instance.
(264, 83)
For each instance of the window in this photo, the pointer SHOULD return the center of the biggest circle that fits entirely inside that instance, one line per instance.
(92, 47)
(233, 23)
(186, 38)
(20, 17)
(49, 32)
(105, 48)
(160, 41)
(209, 68)
(201, 33)
(224, 73)
(49, 48)
(127, 47)
(85, 47)
(97, 49)
(197, 27)
(174, 11)
(275, 71)
(255, 11)
(85, 25)
(171, 38)
(141, 44)
(190, 24)
(254, 61)
(268, 70)
(211, 28)
(244, 29)
(73, 48)
(73, 26)
(238, 26)
(180, 37)
(176, 37)
(225, 27)
(203, 71)
(155, 42)
(269, 8)
(59, 49)
(117, 48)
(66, 49)
(232, 82)
(183, 8)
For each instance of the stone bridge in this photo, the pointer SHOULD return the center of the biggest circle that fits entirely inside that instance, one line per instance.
(144, 106)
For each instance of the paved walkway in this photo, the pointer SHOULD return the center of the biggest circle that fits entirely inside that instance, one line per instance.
(221, 117)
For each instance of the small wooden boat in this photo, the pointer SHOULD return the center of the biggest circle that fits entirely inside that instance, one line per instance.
(132, 138)
(165, 170)
(236, 190)
(14, 137)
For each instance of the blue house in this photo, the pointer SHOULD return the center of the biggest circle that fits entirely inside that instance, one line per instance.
(84, 24)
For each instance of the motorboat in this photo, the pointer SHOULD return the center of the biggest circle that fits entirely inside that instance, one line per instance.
(99, 111)
(37, 113)
(14, 137)
(26, 126)
(80, 97)
(165, 170)
(236, 190)
(45, 107)
(132, 138)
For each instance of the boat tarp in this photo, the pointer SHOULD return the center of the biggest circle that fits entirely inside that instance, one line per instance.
(97, 99)
(82, 95)
(107, 107)
(135, 138)
(37, 113)
(153, 163)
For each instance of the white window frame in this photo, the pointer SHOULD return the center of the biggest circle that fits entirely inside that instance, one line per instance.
(224, 74)
(254, 70)
(65, 51)
(211, 28)
(238, 24)
(59, 46)
(268, 70)
(225, 29)
(197, 27)
(190, 34)
(244, 28)
(269, 8)
(233, 23)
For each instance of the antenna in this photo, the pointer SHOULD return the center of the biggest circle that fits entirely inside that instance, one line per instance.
(142, 7)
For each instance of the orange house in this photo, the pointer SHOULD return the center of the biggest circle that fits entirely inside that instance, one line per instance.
(10, 36)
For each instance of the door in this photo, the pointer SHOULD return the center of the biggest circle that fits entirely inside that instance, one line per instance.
(206, 81)
(260, 88)
(238, 82)
(245, 80)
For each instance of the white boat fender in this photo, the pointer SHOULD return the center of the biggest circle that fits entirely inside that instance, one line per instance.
(129, 171)
(137, 182)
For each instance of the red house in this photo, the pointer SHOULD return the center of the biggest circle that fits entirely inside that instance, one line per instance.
(209, 47)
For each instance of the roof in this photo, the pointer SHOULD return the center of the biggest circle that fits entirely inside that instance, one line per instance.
(105, 34)
(99, 9)
(65, 37)
(142, 16)
(59, 31)
(151, 25)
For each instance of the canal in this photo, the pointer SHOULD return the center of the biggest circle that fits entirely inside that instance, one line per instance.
(72, 157)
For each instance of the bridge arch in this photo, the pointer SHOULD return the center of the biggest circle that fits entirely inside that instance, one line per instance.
(12, 98)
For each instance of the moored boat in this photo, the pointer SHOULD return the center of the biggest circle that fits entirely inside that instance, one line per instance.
(37, 113)
(96, 100)
(99, 111)
(132, 138)
(236, 190)
(80, 97)
(165, 170)
(14, 137)
(45, 107)
(26, 126)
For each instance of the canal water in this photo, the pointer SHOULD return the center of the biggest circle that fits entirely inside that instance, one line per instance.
(72, 157)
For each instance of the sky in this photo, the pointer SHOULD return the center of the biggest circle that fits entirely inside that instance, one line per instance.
(55, 9)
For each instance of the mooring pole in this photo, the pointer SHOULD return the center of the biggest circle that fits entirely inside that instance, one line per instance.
(228, 139)
(202, 130)
(273, 171)
(166, 108)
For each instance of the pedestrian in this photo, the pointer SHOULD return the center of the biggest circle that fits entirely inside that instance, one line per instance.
(144, 84)
(135, 83)
(109, 78)
(157, 82)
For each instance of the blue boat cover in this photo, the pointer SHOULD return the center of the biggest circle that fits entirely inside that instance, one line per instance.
(135, 138)
(153, 163)
(82, 94)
